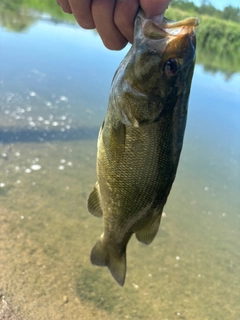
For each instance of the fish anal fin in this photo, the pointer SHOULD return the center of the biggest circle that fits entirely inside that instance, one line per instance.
(149, 231)
(94, 202)
(100, 256)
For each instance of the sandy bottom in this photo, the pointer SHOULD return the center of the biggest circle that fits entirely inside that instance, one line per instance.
(190, 271)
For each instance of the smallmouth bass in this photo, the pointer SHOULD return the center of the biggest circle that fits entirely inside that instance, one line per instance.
(141, 138)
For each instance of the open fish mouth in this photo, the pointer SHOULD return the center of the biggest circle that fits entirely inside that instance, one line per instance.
(168, 28)
(174, 31)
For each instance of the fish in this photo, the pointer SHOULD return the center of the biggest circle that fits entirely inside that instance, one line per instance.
(141, 138)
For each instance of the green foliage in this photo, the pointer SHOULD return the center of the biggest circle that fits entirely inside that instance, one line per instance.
(230, 13)
(206, 8)
(218, 42)
(183, 5)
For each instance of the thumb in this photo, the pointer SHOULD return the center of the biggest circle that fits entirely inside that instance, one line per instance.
(153, 8)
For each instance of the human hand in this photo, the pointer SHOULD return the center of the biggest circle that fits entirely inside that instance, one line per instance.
(113, 19)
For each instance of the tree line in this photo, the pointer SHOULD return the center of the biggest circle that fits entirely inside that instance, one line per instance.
(206, 8)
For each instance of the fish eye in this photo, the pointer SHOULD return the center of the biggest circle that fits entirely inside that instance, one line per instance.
(171, 67)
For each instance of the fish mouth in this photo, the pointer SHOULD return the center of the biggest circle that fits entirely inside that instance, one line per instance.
(168, 28)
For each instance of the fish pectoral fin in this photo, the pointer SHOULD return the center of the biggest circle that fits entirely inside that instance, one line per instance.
(114, 138)
(115, 263)
(137, 109)
(94, 202)
(119, 134)
(100, 134)
(149, 231)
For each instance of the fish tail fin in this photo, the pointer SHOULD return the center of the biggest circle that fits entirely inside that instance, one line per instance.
(115, 263)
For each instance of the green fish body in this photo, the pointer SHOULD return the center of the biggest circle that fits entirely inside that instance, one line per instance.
(141, 138)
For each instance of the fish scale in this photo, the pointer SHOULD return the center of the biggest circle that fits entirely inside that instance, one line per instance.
(141, 138)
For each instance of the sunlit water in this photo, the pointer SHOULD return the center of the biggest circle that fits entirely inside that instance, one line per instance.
(54, 85)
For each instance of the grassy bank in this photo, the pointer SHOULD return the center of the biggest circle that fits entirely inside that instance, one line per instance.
(218, 45)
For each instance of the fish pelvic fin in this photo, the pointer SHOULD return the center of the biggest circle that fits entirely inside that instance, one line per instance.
(94, 202)
(149, 231)
(115, 263)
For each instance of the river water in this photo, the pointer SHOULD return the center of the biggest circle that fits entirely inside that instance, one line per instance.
(54, 86)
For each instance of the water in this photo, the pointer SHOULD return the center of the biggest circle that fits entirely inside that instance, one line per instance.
(54, 85)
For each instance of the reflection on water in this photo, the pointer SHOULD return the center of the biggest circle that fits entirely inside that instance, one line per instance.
(14, 17)
(218, 39)
(54, 94)
(12, 135)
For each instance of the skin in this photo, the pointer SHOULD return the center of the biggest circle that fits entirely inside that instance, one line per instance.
(113, 19)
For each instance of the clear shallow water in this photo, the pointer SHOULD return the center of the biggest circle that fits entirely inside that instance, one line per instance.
(54, 85)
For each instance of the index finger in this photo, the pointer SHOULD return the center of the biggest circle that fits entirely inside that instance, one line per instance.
(82, 13)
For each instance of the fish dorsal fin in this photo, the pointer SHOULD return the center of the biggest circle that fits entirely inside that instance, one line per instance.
(149, 231)
(94, 202)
